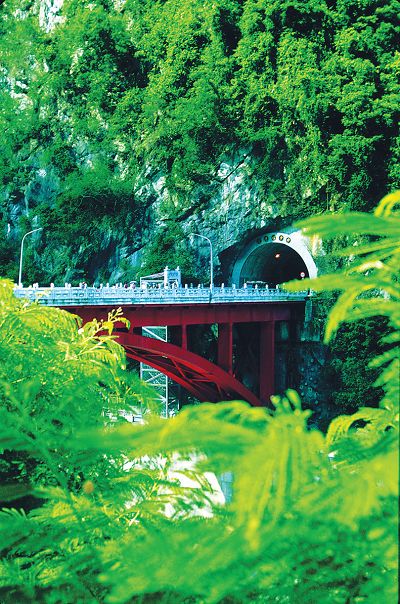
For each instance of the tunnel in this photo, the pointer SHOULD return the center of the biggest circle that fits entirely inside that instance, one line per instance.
(274, 258)
(273, 263)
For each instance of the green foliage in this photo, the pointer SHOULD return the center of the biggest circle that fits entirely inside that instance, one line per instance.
(312, 516)
(348, 371)
(95, 212)
(308, 90)
(7, 254)
(51, 373)
(92, 197)
(55, 378)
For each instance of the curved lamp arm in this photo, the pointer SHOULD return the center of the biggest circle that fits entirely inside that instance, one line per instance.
(22, 254)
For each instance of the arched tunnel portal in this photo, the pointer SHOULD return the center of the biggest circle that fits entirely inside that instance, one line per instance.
(274, 258)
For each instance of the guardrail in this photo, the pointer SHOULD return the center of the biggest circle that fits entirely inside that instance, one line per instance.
(75, 296)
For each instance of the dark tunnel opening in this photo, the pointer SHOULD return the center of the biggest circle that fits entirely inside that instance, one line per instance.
(273, 263)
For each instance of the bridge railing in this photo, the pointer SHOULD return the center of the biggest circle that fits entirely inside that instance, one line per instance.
(75, 296)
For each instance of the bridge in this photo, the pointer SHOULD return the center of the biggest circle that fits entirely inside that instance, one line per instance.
(181, 308)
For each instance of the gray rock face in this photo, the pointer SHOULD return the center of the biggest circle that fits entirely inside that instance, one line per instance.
(42, 188)
(231, 211)
(49, 15)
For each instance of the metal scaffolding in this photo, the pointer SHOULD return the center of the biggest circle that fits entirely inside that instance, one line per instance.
(151, 376)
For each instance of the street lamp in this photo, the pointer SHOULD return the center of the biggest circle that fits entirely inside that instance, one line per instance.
(211, 258)
(22, 254)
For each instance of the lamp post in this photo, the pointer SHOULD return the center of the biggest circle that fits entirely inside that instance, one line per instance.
(211, 258)
(22, 254)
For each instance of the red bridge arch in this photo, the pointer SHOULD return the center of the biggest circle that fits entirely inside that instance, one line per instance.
(204, 380)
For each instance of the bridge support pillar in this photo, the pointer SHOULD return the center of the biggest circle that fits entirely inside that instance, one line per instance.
(225, 347)
(267, 361)
(184, 337)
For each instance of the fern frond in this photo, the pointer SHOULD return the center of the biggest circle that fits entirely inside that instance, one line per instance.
(331, 225)
(340, 426)
(386, 248)
(387, 204)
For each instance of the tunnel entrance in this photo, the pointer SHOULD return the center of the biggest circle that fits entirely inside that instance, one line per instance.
(273, 263)
(274, 258)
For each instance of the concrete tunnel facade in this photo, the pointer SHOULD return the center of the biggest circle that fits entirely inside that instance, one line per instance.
(274, 258)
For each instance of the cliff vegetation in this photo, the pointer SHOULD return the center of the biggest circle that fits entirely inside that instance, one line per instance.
(119, 118)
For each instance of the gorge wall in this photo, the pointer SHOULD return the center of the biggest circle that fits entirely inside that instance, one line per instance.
(122, 118)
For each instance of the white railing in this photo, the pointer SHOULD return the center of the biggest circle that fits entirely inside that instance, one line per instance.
(75, 296)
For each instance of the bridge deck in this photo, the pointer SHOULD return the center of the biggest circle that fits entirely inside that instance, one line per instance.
(76, 296)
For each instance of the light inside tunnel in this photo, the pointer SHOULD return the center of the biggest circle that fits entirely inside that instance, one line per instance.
(273, 263)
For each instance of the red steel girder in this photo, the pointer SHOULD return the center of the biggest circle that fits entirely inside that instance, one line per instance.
(143, 315)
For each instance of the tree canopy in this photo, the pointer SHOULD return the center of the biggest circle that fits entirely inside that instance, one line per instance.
(309, 89)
